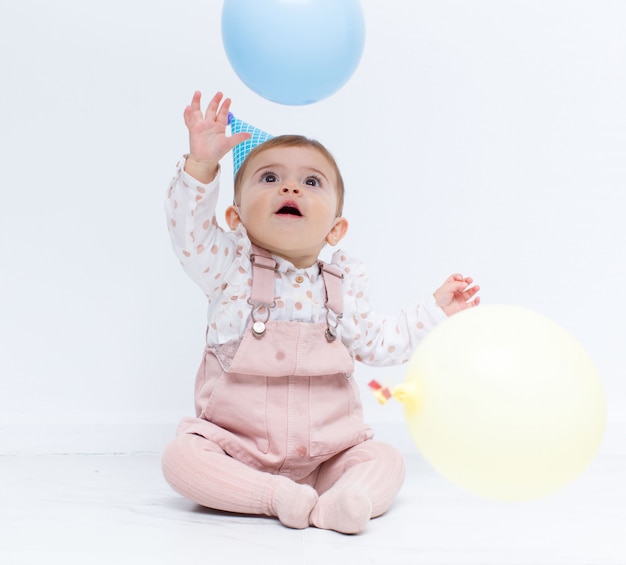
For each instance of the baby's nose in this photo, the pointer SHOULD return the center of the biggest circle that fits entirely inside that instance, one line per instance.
(290, 187)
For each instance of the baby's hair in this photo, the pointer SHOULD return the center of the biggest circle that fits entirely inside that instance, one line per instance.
(294, 141)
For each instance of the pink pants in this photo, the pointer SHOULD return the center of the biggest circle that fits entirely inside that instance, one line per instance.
(199, 470)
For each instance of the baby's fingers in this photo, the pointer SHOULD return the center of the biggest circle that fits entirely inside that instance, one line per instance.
(471, 291)
(193, 112)
(220, 114)
(212, 108)
(469, 295)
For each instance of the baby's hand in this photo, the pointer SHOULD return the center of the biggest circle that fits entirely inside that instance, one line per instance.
(456, 294)
(208, 142)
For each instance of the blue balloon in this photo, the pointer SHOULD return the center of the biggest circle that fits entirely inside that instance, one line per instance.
(293, 51)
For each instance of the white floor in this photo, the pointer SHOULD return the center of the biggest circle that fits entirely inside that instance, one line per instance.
(116, 509)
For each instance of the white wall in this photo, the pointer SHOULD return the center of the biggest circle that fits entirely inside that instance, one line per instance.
(481, 136)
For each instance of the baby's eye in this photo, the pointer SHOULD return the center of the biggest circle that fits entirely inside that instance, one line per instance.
(269, 177)
(312, 181)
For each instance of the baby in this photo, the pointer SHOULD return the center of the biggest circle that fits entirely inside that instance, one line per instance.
(279, 428)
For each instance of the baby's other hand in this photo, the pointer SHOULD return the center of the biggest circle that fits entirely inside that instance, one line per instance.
(457, 293)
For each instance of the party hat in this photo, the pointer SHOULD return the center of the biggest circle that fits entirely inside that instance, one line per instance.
(241, 150)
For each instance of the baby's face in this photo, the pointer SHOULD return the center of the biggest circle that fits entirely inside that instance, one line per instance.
(288, 203)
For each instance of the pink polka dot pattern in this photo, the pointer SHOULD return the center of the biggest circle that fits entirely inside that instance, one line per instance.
(219, 262)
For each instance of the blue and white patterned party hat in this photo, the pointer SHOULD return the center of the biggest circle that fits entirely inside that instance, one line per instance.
(240, 151)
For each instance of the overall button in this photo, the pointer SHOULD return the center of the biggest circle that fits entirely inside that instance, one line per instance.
(258, 329)
(299, 279)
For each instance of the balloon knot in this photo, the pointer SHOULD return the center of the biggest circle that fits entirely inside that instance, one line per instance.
(406, 394)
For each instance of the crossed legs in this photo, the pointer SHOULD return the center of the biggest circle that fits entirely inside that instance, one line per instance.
(342, 494)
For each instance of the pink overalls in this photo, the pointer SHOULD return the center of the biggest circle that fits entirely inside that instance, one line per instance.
(279, 427)
(282, 399)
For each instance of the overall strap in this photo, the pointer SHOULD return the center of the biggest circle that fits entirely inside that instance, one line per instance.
(263, 277)
(333, 281)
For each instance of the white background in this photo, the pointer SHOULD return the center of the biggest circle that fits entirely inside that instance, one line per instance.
(487, 137)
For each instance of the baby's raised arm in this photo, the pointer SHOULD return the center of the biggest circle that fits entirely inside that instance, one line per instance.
(208, 141)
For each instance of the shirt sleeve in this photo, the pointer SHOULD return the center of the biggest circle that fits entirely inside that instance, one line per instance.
(204, 250)
(375, 339)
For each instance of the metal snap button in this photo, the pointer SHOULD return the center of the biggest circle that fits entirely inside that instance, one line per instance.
(258, 329)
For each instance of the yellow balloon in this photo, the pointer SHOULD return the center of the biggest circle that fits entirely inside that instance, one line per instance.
(504, 403)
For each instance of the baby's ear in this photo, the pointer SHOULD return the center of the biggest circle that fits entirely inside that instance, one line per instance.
(233, 219)
(338, 231)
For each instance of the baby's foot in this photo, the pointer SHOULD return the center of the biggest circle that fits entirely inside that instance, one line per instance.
(292, 503)
(347, 511)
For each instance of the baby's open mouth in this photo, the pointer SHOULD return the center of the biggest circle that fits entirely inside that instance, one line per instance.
(289, 211)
